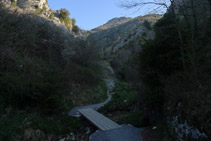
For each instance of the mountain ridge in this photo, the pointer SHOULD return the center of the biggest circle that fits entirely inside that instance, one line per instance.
(116, 33)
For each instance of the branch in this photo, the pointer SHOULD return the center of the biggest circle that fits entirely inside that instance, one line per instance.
(129, 5)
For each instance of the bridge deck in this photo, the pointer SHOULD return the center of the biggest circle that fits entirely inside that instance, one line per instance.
(99, 120)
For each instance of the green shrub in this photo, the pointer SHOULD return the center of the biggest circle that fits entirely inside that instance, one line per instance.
(124, 96)
(73, 21)
(21, 92)
(14, 3)
(51, 16)
(64, 17)
(44, 9)
(38, 11)
(11, 127)
(75, 29)
(32, 80)
(35, 75)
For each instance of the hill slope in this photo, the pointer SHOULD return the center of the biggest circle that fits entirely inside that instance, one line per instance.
(120, 31)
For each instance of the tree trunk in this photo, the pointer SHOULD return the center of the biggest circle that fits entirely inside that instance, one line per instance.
(195, 28)
(185, 13)
(179, 34)
(209, 1)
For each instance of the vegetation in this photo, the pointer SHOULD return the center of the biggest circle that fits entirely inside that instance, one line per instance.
(44, 72)
(121, 105)
(91, 96)
(38, 11)
(69, 23)
(51, 16)
(174, 71)
(147, 25)
(64, 17)
(32, 126)
(123, 96)
(14, 3)
(75, 29)
(39, 77)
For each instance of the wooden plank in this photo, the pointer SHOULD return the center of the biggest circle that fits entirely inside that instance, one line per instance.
(99, 123)
(99, 120)
(109, 122)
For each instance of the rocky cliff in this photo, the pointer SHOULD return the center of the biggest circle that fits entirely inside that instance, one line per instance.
(41, 8)
(118, 32)
(111, 23)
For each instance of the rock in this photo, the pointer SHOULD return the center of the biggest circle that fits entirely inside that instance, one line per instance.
(40, 7)
(88, 130)
(154, 128)
(62, 139)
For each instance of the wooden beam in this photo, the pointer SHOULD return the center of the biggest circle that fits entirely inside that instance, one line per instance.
(99, 120)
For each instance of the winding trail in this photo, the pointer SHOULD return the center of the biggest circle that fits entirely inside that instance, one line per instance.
(110, 85)
(125, 132)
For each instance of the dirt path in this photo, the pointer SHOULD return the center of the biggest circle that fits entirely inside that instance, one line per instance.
(125, 132)
(110, 86)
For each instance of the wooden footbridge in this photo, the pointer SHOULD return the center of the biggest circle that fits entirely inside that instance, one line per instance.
(99, 120)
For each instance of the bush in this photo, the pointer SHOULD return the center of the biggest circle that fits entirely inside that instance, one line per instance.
(51, 16)
(38, 70)
(64, 17)
(171, 91)
(10, 127)
(21, 92)
(75, 29)
(14, 3)
(38, 11)
(30, 69)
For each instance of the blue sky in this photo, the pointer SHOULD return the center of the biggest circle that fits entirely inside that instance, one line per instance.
(93, 13)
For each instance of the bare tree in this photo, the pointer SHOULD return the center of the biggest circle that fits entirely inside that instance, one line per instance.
(157, 5)
(169, 5)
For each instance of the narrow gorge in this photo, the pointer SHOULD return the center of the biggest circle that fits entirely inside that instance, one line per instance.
(149, 75)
